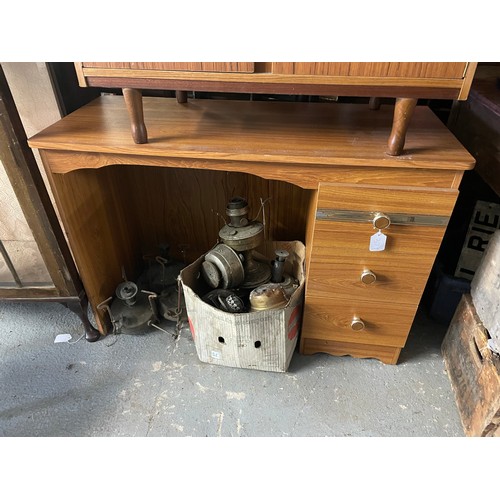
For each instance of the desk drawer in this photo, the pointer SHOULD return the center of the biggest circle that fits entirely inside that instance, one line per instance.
(383, 324)
(366, 198)
(341, 255)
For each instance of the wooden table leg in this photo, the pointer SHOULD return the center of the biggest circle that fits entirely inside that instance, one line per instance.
(374, 103)
(133, 100)
(182, 96)
(80, 308)
(403, 112)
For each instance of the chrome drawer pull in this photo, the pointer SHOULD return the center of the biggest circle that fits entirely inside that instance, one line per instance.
(357, 324)
(368, 277)
(381, 221)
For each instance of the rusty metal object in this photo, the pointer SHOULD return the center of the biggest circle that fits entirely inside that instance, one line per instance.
(278, 266)
(131, 311)
(222, 267)
(161, 271)
(278, 275)
(226, 300)
(244, 236)
(289, 284)
(168, 303)
(268, 296)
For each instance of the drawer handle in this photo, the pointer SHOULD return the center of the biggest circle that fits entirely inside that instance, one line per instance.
(357, 324)
(368, 277)
(381, 221)
(334, 215)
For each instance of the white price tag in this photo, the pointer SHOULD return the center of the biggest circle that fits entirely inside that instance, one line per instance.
(62, 337)
(377, 242)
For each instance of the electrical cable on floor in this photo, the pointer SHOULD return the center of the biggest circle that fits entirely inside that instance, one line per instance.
(112, 343)
(77, 340)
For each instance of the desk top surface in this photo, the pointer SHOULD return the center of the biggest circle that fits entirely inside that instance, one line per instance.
(326, 134)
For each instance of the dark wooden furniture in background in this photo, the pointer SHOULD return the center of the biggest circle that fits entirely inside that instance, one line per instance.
(476, 123)
(405, 81)
(27, 183)
(323, 168)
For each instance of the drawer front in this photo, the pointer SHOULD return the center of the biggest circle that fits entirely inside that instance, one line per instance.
(384, 324)
(341, 259)
(365, 198)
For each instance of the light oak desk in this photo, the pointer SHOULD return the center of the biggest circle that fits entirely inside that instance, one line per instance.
(324, 169)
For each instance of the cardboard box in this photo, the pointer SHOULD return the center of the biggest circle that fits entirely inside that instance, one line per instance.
(263, 340)
(474, 372)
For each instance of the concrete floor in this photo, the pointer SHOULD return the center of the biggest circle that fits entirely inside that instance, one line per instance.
(153, 385)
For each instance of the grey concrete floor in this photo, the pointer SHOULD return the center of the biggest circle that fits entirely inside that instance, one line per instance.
(153, 385)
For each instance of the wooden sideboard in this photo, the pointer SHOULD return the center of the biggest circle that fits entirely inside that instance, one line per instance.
(405, 81)
(476, 123)
(324, 169)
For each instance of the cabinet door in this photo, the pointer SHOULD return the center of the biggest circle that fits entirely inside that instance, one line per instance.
(373, 69)
(348, 280)
(216, 67)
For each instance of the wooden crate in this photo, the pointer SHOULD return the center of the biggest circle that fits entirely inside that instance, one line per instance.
(485, 288)
(474, 371)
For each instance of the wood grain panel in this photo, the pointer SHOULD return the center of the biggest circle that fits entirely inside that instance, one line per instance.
(232, 67)
(374, 69)
(388, 355)
(268, 132)
(435, 88)
(190, 222)
(309, 177)
(387, 199)
(311, 68)
(335, 239)
(99, 222)
(385, 324)
(427, 69)
(339, 275)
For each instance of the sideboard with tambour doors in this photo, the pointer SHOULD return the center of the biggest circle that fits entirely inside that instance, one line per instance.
(321, 170)
(405, 81)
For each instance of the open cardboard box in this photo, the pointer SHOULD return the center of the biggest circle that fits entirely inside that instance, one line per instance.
(263, 340)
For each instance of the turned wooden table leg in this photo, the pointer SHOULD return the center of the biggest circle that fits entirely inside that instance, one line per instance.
(182, 96)
(80, 308)
(133, 100)
(374, 103)
(403, 112)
